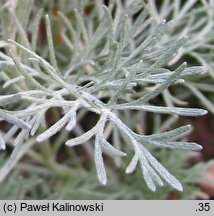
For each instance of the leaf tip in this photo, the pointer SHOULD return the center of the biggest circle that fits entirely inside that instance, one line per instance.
(177, 185)
(67, 143)
(10, 40)
(163, 21)
(204, 112)
(40, 138)
(180, 188)
(199, 147)
(153, 189)
(3, 147)
(189, 126)
(103, 181)
(201, 112)
(185, 64)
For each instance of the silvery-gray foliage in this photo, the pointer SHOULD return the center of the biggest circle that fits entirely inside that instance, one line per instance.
(194, 18)
(107, 65)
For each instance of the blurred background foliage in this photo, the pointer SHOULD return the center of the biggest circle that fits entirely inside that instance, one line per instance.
(50, 170)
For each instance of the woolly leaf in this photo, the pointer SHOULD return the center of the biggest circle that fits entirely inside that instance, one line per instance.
(164, 110)
(8, 99)
(13, 120)
(161, 170)
(2, 143)
(54, 128)
(111, 150)
(50, 44)
(101, 172)
(132, 165)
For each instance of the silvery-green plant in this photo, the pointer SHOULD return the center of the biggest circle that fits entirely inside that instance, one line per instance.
(108, 72)
(194, 18)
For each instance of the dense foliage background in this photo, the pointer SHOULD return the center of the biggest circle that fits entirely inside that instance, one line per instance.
(51, 170)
